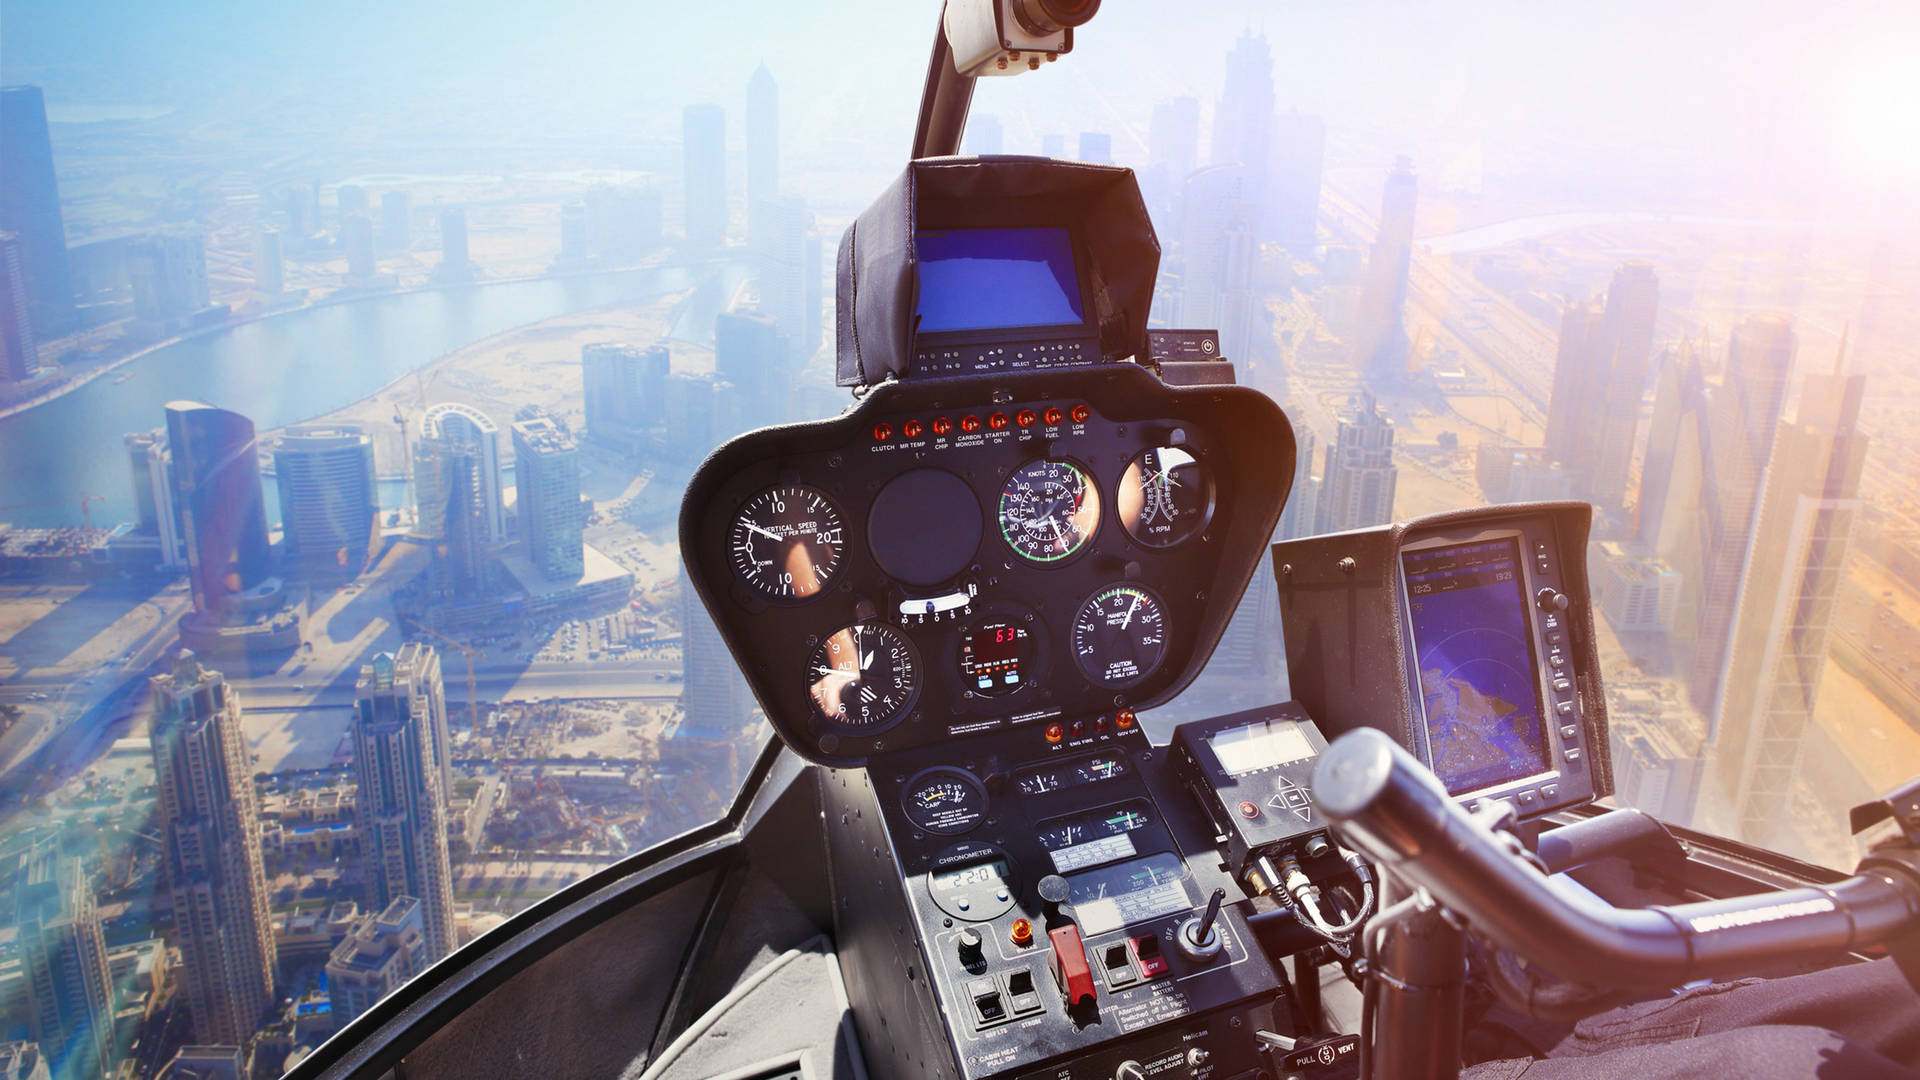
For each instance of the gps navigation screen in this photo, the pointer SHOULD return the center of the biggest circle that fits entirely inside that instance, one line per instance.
(989, 279)
(1477, 676)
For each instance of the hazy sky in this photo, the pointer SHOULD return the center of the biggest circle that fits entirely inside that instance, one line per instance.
(1716, 92)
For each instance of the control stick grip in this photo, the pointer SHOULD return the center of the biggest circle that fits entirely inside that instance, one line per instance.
(1395, 810)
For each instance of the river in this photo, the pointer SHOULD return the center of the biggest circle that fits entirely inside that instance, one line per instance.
(294, 367)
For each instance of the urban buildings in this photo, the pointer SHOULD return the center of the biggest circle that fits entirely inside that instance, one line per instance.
(1381, 346)
(30, 206)
(1637, 595)
(1356, 484)
(449, 425)
(19, 345)
(455, 265)
(329, 504)
(546, 465)
(1677, 437)
(704, 133)
(625, 391)
(63, 957)
(158, 515)
(1777, 648)
(377, 955)
(1600, 372)
(401, 765)
(714, 694)
(23, 1061)
(216, 470)
(168, 272)
(1297, 517)
(1218, 251)
(763, 155)
(1743, 415)
(269, 265)
(790, 277)
(459, 509)
(1243, 118)
(356, 236)
(209, 826)
(349, 200)
(750, 352)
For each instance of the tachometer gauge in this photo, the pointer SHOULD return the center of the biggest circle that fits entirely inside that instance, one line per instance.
(864, 677)
(945, 800)
(1120, 635)
(1165, 496)
(1049, 510)
(786, 542)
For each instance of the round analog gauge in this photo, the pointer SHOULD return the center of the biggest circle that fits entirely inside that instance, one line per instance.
(945, 800)
(1049, 510)
(996, 656)
(786, 542)
(1165, 496)
(863, 677)
(1120, 635)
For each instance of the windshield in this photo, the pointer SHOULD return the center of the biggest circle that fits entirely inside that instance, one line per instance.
(356, 357)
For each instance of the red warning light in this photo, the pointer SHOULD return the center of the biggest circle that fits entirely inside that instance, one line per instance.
(912, 429)
(998, 421)
(942, 425)
(882, 432)
(1081, 413)
(969, 424)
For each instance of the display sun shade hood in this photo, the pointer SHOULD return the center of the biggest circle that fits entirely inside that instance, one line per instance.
(877, 277)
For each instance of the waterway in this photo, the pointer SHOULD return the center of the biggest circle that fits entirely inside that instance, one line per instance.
(297, 366)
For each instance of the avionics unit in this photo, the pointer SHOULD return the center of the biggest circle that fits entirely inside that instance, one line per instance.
(1468, 637)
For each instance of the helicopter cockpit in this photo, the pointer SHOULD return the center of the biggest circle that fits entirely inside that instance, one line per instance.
(965, 857)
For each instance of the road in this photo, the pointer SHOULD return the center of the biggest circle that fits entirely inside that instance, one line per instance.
(598, 679)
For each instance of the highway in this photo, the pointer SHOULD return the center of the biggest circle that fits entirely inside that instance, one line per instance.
(596, 679)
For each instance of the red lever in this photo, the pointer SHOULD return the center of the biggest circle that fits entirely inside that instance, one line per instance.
(1070, 967)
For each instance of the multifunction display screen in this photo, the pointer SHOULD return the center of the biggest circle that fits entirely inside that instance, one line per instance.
(1478, 681)
(1262, 745)
(996, 279)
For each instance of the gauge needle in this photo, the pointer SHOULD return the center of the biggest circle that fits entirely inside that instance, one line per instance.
(751, 527)
(1131, 608)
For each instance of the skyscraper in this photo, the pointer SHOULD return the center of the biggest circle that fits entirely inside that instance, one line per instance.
(216, 472)
(1600, 373)
(625, 388)
(783, 280)
(350, 199)
(63, 962)
(169, 275)
(763, 154)
(158, 512)
(1381, 345)
(1676, 437)
(454, 263)
(1777, 650)
(329, 504)
(714, 693)
(1242, 122)
(704, 151)
(1097, 147)
(396, 221)
(210, 833)
(1293, 179)
(546, 467)
(1357, 482)
(750, 352)
(357, 237)
(1218, 251)
(269, 266)
(19, 346)
(30, 206)
(400, 762)
(449, 425)
(1297, 518)
(1173, 149)
(380, 952)
(984, 135)
(1744, 413)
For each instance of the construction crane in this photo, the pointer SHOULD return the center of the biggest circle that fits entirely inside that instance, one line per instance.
(473, 693)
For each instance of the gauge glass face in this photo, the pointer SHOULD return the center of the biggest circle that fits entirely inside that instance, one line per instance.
(1093, 825)
(1165, 496)
(863, 677)
(1049, 510)
(786, 542)
(945, 801)
(1093, 770)
(1120, 635)
(996, 657)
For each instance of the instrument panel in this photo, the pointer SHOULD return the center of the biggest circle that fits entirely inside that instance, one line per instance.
(972, 554)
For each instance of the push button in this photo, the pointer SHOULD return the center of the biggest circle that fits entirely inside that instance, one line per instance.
(1147, 956)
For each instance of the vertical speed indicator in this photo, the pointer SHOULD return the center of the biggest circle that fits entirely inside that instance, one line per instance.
(786, 542)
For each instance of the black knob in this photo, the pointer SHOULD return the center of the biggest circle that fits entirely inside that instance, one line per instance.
(1130, 1070)
(1053, 893)
(1550, 599)
(970, 947)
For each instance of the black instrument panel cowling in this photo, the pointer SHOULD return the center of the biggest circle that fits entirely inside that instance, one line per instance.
(1240, 437)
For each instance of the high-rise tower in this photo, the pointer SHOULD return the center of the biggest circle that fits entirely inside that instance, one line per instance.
(400, 760)
(1600, 373)
(750, 351)
(1357, 482)
(704, 171)
(763, 155)
(1381, 345)
(451, 424)
(19, 344)
(329, 504)
(63, 962)
(1218, 250)
(216, 471)
(30, 206)
(546, 470)
(210, 832)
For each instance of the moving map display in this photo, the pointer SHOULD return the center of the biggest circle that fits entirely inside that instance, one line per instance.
(1478, 684)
